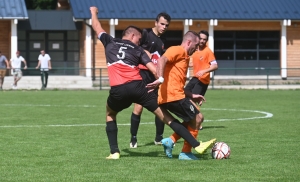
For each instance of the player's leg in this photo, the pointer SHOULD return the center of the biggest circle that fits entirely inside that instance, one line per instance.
(135, 122)
(46, 79)
(116, 102)
(18, 78)
(187, 111)
(160, 127)
(42, 79)
(200, 88)
(2, 75)
(112, 133)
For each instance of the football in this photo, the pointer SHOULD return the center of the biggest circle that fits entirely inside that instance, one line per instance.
(220, 150)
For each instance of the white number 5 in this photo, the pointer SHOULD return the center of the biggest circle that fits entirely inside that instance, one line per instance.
(121, 52)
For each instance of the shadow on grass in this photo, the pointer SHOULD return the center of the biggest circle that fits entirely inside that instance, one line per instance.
(132, 153)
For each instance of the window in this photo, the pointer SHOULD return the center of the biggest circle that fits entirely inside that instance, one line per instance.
(245, 49)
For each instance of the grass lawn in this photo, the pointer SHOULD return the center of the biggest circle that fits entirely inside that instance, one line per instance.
(60, 136)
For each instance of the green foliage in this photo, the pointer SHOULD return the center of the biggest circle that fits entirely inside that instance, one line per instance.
(60, 136)
(41, 4)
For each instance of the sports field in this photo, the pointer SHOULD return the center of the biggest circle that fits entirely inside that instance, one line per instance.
(60, 136)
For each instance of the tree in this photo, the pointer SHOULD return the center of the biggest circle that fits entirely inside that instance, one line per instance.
(41, 4)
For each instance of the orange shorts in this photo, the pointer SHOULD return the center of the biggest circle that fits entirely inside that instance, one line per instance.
(2, 72)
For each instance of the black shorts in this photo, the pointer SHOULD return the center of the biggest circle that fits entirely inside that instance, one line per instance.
(196, 86)
(147, 76)
(184, 109)
(122, 96)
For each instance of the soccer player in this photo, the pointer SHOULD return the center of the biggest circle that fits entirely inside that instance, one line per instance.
(16, 66)
(204, 62)
(123, 57)
(153, 44)
(173, 66)
(45, 63)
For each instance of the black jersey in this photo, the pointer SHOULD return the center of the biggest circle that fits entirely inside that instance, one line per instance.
(123, 58)
(152, 43)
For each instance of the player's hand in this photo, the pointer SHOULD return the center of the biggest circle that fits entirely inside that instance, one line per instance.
(50, 67)
(25, 67)
(8, 67)
(94, 10)
(199, 99)
(153, 85)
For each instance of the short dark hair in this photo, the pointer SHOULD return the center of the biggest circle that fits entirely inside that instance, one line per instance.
(129, 29)
(204, 32)
(190, 35)
(165, 15)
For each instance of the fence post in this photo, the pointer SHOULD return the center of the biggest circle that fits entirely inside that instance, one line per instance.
(100, 79)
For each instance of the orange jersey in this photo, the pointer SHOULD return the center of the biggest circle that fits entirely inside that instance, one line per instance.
(201, 60)
(172, 89)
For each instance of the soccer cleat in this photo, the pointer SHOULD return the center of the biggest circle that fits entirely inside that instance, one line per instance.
(187, 156)
(168, 146)
(201, 149)
(114, 156)
(133, 143)
(157, 140)
(157, 143)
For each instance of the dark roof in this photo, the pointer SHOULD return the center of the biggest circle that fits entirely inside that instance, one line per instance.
(49, 20)
(190, 9)
(13, 9)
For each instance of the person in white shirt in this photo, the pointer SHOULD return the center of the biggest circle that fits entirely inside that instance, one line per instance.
(15, 63)
(45, 64)
(3, 66)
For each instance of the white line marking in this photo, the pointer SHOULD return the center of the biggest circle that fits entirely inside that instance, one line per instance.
(266, 115)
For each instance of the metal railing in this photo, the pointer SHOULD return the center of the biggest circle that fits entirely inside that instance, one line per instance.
(222, 78)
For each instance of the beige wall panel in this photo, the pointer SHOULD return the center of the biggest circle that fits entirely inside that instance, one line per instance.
(82, 49)
(5, 35)
(293, 49)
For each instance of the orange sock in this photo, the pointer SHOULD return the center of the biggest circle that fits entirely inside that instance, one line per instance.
(186, 146)
(175, 137)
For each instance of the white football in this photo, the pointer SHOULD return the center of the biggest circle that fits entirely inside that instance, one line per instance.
(220, 151)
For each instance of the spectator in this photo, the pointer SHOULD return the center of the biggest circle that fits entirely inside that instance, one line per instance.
(45, 64)
(16, 66)
(3, 66)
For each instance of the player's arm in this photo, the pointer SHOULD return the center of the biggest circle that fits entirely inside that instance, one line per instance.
(161, 64)
(160, 68)
(39, 63)
(148, 53)
(152, 68)
(213, 67)
(197, 98)
(49, 64)
(96, 25)
(25, 64)
(7, 64)
(11, 64)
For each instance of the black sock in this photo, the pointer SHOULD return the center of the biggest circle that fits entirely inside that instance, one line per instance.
(160, 127)
(184, 133)
(135, 122)
(112, 135)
